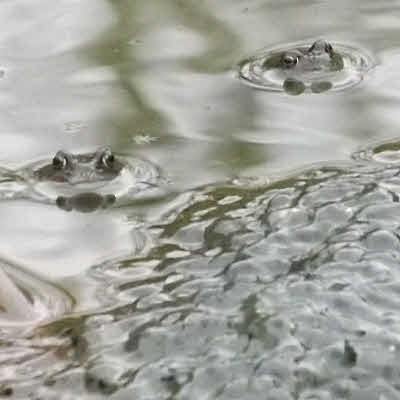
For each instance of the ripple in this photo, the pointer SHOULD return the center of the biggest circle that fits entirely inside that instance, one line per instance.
(288, 288)
(387, 152)
(260, 71)
(29, 299)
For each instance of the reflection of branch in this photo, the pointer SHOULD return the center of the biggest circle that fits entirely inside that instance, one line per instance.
(12, 300)
(14, 276)
(114, 49)
(222, 42)
(235, 109)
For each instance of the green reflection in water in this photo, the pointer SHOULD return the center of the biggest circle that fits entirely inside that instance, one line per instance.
(122, 48)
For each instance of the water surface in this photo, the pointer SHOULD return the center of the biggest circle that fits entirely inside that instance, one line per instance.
(218, 290)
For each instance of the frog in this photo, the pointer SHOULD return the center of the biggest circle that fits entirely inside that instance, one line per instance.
(316, 67)
(90, 180)
(303, 68)
(100, 165)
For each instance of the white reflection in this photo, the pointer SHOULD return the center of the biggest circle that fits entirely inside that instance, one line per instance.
(27, 298)
(33, 30)
(52, 242)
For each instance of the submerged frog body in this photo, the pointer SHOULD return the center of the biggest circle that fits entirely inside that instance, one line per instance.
(104, 175)
(85, 202)
(316, 67)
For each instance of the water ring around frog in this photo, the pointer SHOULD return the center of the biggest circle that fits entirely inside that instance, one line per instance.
(263, 70)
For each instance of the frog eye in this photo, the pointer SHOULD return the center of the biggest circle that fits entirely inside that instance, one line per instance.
(106, 159)
(289, 60)
(60, 160)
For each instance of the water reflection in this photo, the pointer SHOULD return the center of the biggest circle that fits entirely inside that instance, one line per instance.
(151, 66)
(27, 298)
(70, 244)
(246, 291)
(185, 95)
(149, 69)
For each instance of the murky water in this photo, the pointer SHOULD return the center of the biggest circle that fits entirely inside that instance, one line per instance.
(251, 274)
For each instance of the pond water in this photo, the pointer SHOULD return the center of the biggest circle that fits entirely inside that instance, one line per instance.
(267, 264)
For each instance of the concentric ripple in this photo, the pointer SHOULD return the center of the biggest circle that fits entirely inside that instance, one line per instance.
(386, 152)
(264, 71)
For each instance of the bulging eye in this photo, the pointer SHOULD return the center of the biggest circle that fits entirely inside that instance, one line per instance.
(60, 160)
(289, 60)
(106, 159)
